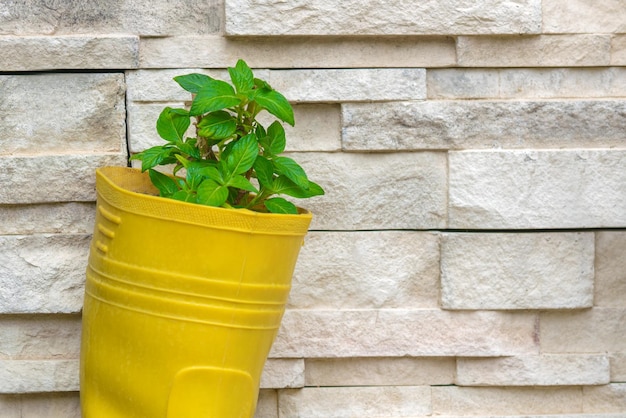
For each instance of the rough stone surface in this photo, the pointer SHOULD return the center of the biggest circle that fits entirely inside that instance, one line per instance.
(298, 52)
(53, 178)
(283, 373)
(380, 371)
(384, 191)
(543, 370)
(52, 218)
(537, 189)
(27, 337)
(353, 85)
(506, 401)
(321, 17)
(394, 401)
(33, 53)
(607, 399)
(618, 50)
(517, 271)
(618, 367)
(438, 124)
(360, 270)
(267, 404)
(42, 273)
(566, 16)
(534, 51)
(35, 376)
(35, 405)
(400, 332)
(610, 277)
(62, 113)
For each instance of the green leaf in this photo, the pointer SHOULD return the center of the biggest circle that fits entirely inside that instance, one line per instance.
(240, 182)
(185, 196)
(217, 125)
(242, 77)
(242, 154)
(192, 82)
(154, 156)
(264, 171)
(166, 185)
(172, 124)
(276, 138)
(215, 95)
(290, 169)
(282, 185)
(211, 193)
(276, 104)
(280, 205)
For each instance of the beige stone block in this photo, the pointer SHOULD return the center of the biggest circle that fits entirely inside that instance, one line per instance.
(598, 330)
(302, 52)
(75, 113)
(365, 270)
(49, 218)
(537, 189)
(610, 277)
(542, 370)
(463, 83)
(401, 332)
(464, 401)
(36, 376)
(53, 178)
(618, 50)
(350, 85)
(80, 52)
(42, 273)
(28, 337)
(618, 367)
(368, 17)
(534, 51)
(383, 371)
(605, 399)
(283, 373)
(377, 191)
(52, 405)
(10, 406)
(348, 402)
(267, 404)
(517, 271)
(483, 124)
(563, 16)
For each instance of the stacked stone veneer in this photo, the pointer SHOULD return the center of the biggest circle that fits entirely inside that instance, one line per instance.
(469, 257)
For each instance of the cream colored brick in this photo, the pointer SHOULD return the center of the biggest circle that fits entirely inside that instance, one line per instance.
(377, 269)
(463, 83)
(610, 277)
(308, 52)
(50, 405)
(267, 404)
(451, 400)
(535, 51)
(543, 370)
(53, 178)
(606, 399)
(517, 271)
(377, 191)
(566, 16)
(52, 218)
(32, 53)
(283, 373)
(618, 367)
(368, 17)
(401, 332)
(384, 371)
(35, 376)
(350, 85)
(598, 330)
(26, 337)
(537, 189)
(388, 401)
(618, 50)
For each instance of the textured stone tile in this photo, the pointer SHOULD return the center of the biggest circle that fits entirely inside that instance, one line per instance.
(350, 85)
(610, 268)
(618, 367)
(320, 17)
(606, 399)
(52, 218)
(42, 273)
(517, 271)
(534, 51)
(599, 330)
(618, 50)
(563, 16)
(267, 404)
(400, 332)
(389, 401)
(32, 53)
(463, 83)
(283, 373)
(53, 178)
(377, 269)
(537, 189)
(463, 124)
(53, 405)
(76, 113)
(543, 370)
(35, 376)
(377, 191)
(302, 52)
(384, 371)
(491, 402)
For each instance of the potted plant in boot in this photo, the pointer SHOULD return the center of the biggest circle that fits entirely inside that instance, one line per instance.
(189, 273)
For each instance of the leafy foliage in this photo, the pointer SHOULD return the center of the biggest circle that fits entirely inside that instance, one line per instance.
(233, 161)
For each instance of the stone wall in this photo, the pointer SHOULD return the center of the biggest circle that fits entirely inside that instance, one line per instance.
(469, 257)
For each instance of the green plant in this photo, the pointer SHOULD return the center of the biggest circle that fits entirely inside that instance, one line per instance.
(233, 161)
